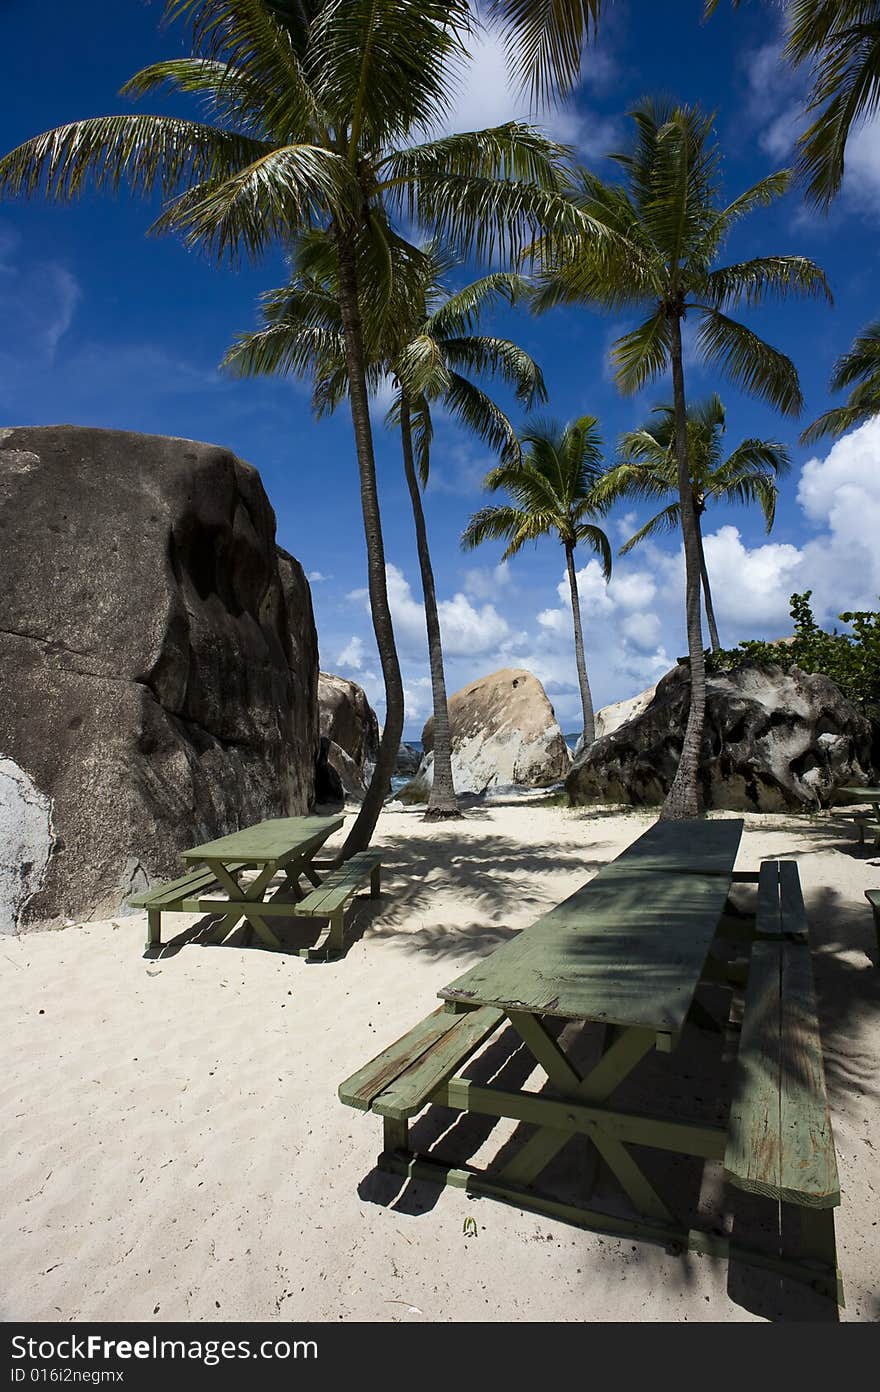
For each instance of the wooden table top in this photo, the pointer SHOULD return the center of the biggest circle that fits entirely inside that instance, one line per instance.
(266, 841)
(628, 947)
(871, 794)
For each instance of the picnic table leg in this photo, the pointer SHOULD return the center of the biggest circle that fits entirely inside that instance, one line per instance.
(623, 1053)
(154, 929)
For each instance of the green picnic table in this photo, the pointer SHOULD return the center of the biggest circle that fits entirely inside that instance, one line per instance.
(284, 846)
(627, 952)
(872, 795)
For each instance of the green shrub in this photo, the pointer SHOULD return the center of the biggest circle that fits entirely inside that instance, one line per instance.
(851, 660)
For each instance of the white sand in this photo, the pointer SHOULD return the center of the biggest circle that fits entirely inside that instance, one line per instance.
(174, 1147)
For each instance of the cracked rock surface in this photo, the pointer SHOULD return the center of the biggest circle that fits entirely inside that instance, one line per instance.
(158, 656)
(773, 741)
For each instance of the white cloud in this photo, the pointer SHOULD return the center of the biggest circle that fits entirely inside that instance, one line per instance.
(352, 655)
(316, 577)
(861, 182)
(486, 582)
(486, 97)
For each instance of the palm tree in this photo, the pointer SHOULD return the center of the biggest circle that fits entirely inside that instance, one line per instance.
(840, 39)
(647, 469)
(552, 492)
(664, 229)
(316, 107)
(861, 365)
(426, 341)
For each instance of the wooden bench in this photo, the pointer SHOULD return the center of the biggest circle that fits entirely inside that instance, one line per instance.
(330, 899)
(780, 1142)
(865, 820)
(400, 1081)
(873, 898)
(177, 896)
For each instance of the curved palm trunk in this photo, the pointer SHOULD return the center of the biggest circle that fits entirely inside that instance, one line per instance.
(683, 798)
(707, 593)
(365, 822)
(442, 803)
(589, 734)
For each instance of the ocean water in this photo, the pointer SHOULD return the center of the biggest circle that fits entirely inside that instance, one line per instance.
(400, 780)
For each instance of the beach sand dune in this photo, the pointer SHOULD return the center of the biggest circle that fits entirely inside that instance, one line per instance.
(175, 1150)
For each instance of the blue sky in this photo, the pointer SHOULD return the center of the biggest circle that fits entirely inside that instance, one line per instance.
(106, 326)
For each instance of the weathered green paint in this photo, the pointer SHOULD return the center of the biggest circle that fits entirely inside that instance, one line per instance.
(576, 1118)
(285, 844)
(873, 898)
(368, 1082)
(628, 949)
(780, 1142)
(411, 1090)
(272, 841)
(339, 886)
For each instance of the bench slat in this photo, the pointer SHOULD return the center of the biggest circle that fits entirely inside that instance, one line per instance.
(793, 914)
(363, 1086)
(411, 1090)
(809, 1167)
(768, 919)
(162, 895)
(751, 1157)
(780, 1142)
(339, 885)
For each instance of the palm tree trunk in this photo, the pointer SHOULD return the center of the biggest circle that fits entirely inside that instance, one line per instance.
(365, 822)
(589, 734)
(442, 803)
(707, 593)
(683, 798)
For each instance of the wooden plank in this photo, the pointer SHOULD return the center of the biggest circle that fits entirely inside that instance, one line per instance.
(752, 1159)
(339, 885)
(165, 894)
(808, 1165)
(768, 918)
(694, 846)
(411, 1090)
(626, 949)
(268, 841)
(792, 910)
(375, 1076)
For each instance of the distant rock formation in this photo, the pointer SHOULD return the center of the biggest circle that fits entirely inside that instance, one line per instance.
(158, 663)
(504, 734)
(348, 723)
(774, 740)
(611, 717)
(409, 756)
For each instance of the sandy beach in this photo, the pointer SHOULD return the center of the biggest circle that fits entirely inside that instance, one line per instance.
(175, 1149)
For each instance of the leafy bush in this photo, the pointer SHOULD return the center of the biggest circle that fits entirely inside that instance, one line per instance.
(851, 660)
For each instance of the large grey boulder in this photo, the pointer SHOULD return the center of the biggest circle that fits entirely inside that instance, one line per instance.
(504, 735)
(158, 663)
(349, 724)
(773, 740)
(611, 717)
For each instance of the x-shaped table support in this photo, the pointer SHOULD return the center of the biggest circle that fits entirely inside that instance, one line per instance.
(627, 1048)
(238, 897)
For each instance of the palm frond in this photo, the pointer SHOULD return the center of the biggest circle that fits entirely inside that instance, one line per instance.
(501, 358)
(665, 522)
(242, 214)
(146, 153)
(595, 538)
(545, 39)
(748, 362)
(475, 410)
(642, 354)
(750, 282)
